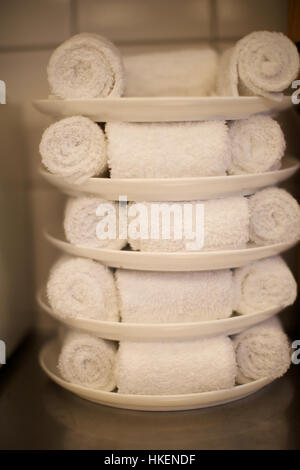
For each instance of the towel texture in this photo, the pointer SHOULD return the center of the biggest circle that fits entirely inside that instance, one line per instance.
(263, 63)
(74, 148)
(262, 351)
(86, 66)
(88, 361)
(257, 145)
(274, 217)
(168, 150)
(263, 285)
(82, 288)
(175, 367)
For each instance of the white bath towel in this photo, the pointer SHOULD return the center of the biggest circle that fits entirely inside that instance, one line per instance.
(164, 368)
(88, 361)
(82, 288)
(263, 63)
(186, 72)
(263, 285)
(168, 150)
(74, 148)
(257, 145)
(84, 227)
(86, 66)
(168, 297)
(274, 217)
(262, 351)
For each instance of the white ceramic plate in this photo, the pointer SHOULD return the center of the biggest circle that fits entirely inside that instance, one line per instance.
(177, 261)
(162, 108)
(48, 360)
(118, 331)
(175, 189)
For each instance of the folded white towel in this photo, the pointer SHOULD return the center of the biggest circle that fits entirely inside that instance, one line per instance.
(262, 351)
(74, 148)
(88, 361)
(82, 288)
(168, 150)
(86, 66)
(264, 284)
(274, 217)
(167, 297)
(81, 221)
(257, 145)
(263, 63)
(175, 367)
(186, 72)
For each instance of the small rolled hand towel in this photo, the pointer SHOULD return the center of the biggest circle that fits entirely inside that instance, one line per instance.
(264, 284)
(274, 217)
(262, 63)
(185, 72)
(262, 351)
(82, 288)
(169, 297)
(88, 361)
(257, 145)
(86, 66)
(81, 223)
(170, 368)
(168, 150)
(74, 148)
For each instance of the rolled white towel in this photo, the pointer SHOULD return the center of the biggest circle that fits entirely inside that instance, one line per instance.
(81, 223)
(186, 72)
(86, 66)
(88, 361)
(262, 63)
(262, 351)
(175, 367)
(82, 288)
(74, 148)
(168, 150)
(263, 285)
(257, 145)
(167, 297)
(274, 217)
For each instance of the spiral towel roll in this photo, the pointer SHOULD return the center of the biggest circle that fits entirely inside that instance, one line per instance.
(263, 285)
(263, 63)
(82, 288)
(262, 351)
(74, 148)
(168, 150)
(86, 66)
(81, 223)
(164, 368)
(168, 297)
(274, 217)
(257, 145)
(88, 361)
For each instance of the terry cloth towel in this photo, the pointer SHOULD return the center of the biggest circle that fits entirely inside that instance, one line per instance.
(257, 145)
(169, 297)
(170, 368)
(168, 150)
(88, 361)
(226, 225)
(185, 72)
(263, 285)
(86, 66)
(74, 148)
(274, 217)
(263, 63)
(81, 223)
(262, 351)
(82, 288)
